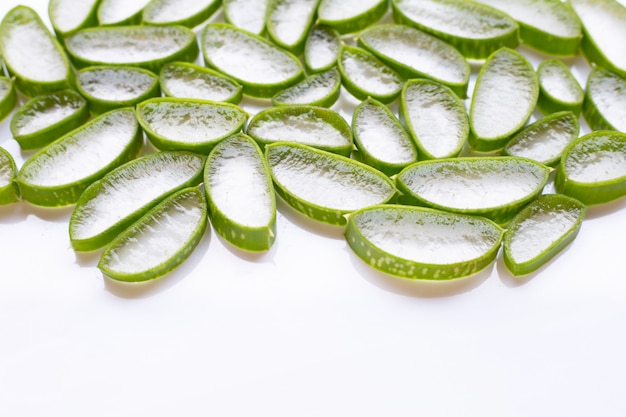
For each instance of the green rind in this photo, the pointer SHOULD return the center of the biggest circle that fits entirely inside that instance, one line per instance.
(90, 19)
(9, 100)
(592, 114)
(197, 72)
(330, 98)
(276, 6)
(335, 44)
(9, 193)
(547, 103)
(357, 22)
(191, 21)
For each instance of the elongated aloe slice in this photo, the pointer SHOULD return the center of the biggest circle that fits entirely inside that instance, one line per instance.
(120, 12)
(288, 22)
(47, 117)
(259, 66)
(159, 241)
(239, 190)
(319, 89)
(364, 75)
(593, 168)
(416, 54)
(351, 16)
(248, 15)
(58, 174)
(505, 96)
(188, 13)
(69, 16)
(558, 89)
(148, 47)
(604, 106)
(494, 187)
(321, 48)
(110, 87)
(540, 231)
(9, 191)
(545, 140)
(325, 186)
(308, 125)
(32, 54)
(113, 203)
(474, 29)
(435, 118)
(380, 139)
(186, 80)
(421, 243)
(8, 97)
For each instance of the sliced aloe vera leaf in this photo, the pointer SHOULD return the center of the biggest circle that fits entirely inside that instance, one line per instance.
(188, 13)
(187, 80)
(351, 16)
(421, 243)
(239, 190)
(325, 186)
(111, 87)
(380, 139)
(120, 12)
(148, 47)
(558, 89)
(189, 124)
(604, 32)
(593, 168)
(474, 29)
(159, 241)
(308, 125)
(288, 23)
(604, 106)
(540, 231)
(262, 68)
(416, 54)
(321, 48)
(47, 117)
(504, 98)
(9, 191)
(69, 16)
(111, 204)
(248, 15)
(59, 173)
(435, 118)
(365, 76)
(493, 187)
(319, 89)
(8, 97)
(32, 55)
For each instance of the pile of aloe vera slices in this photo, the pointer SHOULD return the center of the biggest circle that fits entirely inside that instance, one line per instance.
(421, 128)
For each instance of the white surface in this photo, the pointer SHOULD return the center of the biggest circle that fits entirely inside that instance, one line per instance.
(305, 330)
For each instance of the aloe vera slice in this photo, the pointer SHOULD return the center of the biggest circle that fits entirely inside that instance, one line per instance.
(504, 98)
(108, 87)
(351, 16)
(120, 12)
(540, 231)
(187, 80)
(9, 191)
(325, 186)
(111, 204)
(186, 124)
(435, 118)
(493, 187)
(474, 29)
(380, 139)
(421, 243)
(321, 48)
(416, 54)
(262, 68)
(47, 117)
(32, 55)
(288, 23)
(69, 16)
(319, 89)
(248, 15)
(604, 106)
(8, 96)
(59, 173)
(148, 47)
(593, 168)
(159, 241)
(308, 125)
(239, 190)
(558, 89)
(189, 13)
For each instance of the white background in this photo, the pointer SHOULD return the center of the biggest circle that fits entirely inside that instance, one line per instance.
(306, 329)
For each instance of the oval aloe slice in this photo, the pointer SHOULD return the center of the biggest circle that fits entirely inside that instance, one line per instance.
(107, 88)
(380, 139)
(308, 125)
(604, 106)
(319, 89)
(47, 117)
(120, 12)
(148, 47)
(239, 190)
(416, 54)
(262, 68)
(321, 48)
(188, 13)
(248, 15)
(420, 243)
(435, 118)
(9, 191)
(288, 23)
(593, 168)
(504, 98)
(493, 187)
(545, 140)
(8, 97)
(159, 241)
(69, 16)
(122, 196)
(540, 231)
(58, 174)
(325, 186)
(351, 16)
(186, 80)
(32, 54)
(558, 89)
(186, 124)
(474, 29)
